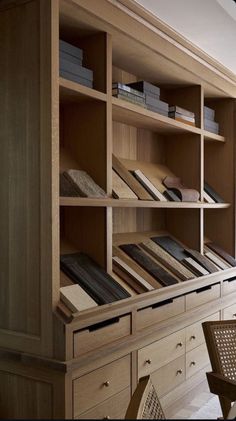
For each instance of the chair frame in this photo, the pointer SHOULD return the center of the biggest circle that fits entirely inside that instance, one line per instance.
(218, 383)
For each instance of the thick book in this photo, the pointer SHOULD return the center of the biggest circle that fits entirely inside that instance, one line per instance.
(172, 114)
(76, 69)
(149, 186)
(75, 78)
(156, 102)
(209, 113)
(148, 264)
(167, 260)
(70, 49)
(76, 299)
(212, 193)
(222, 253)
(84, 184)
(182, 120)
(126, 88)
(69, 57)
(128, 178)
(171, 246)
(101, 287)
(157, 110)
(180, 110)
(145, 87)
(120, 189)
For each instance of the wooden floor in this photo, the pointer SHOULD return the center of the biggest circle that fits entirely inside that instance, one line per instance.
(191, 404)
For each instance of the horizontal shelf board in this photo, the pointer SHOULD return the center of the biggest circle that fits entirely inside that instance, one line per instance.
(123, 203)
(74, 92)
(135, 115)
(213, 137)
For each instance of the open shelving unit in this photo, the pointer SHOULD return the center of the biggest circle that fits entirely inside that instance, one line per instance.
(63, 358)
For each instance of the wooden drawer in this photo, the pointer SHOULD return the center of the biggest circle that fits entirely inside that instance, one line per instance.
(161, 352)
(202, 296)
(113, 408)
(169, 376)
(229, 313)
(99, 385)
(196, 360)
(194, 332)
(229, 286)
(101, 334)
(160, 311)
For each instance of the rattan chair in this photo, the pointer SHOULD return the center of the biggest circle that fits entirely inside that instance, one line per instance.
(144, 403)
(221, 343)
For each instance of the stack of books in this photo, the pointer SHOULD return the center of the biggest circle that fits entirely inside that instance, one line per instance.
(209, 120)
(71, 60)
(122, 91)
(180, 114)
(152, 96)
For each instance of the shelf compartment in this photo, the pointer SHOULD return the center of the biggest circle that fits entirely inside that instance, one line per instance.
(126, 203)
(74, 92)
(134, 115)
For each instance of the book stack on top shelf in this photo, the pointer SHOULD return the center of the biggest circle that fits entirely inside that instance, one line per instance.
(209, 120)
(71, 68)
(180, 114)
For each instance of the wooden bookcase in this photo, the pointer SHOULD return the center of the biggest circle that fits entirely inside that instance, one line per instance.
(54, 364)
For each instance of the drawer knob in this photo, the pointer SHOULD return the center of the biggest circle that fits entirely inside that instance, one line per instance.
(180, 371)
(149, 361)
(106, 417)
(192, 363)
(179, 344)
(234, 315)
(106, 383)
(192, 338)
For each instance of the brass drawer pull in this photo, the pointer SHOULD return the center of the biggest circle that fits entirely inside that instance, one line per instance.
(106, 417)
(149, 361)
(192, 338)
(180, 371)
(180, 344)
(106, 383)
(193, 363)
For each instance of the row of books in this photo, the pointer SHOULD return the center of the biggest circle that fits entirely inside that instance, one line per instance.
(156, 262)
(71, 64)
(146, 182)
(209, 120)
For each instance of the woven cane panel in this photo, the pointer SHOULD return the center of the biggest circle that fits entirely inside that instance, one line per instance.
(152, 408)
(225, 341)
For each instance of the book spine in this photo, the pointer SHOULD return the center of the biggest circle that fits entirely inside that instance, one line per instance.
(71, 49)
(132, 100)
(69, 57)
(209, 113)
(184, 117)
(75, 78)
(182, 111)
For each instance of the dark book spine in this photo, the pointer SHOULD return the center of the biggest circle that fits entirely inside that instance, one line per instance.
(69, 57)
(77, 79)
(212, 193)
(171, 246)
(171, 195)
(77, 70)
(71, 49)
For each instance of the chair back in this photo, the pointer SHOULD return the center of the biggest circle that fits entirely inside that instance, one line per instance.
(221, 343)
(144, 403)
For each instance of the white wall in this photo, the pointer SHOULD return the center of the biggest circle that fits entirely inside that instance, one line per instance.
(210, 24)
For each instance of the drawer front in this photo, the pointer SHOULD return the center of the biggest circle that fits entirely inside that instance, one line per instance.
(101, 334)
(99, 385)
(194, 332)
(113, 408)
(229, 313)
(196, 360)
(161, 311)
(202, 296)
(161, 352)
(229, 286)
(169, 376)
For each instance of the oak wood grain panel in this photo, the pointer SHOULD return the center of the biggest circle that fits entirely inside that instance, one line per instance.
(194, 332)
(120, 189)
(101, 384)
(161, 352)
(196, 360)
(135, 279)
(229, 312)
(113, 408)
(169, 376)
(97, 336)
(76, 299)
(203, 295)
(229, 285)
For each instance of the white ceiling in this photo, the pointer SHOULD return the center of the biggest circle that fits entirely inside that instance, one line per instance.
(209, 24)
